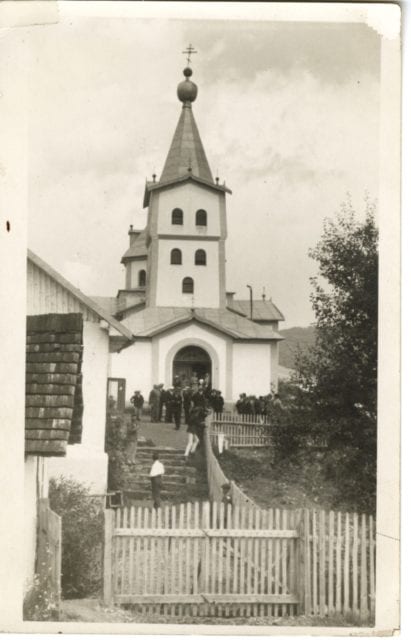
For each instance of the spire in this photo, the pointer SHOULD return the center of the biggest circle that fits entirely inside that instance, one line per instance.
(186, 154)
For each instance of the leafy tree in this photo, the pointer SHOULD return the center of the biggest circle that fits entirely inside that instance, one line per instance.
(334, 391)
(83, 535)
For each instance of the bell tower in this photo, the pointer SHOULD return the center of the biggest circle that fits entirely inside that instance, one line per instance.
(186, 229)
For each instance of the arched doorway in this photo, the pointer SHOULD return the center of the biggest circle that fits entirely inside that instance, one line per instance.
(189, 361)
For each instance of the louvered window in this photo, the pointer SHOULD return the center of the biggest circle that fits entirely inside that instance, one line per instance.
(177, 216)
(188, 285)
(176, 257)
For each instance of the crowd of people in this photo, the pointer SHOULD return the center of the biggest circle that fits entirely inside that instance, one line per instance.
(256, 406)
(188, 400)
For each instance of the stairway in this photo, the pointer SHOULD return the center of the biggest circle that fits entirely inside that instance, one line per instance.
(183, 481)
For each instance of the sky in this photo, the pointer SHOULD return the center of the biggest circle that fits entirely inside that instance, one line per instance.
(289, 118)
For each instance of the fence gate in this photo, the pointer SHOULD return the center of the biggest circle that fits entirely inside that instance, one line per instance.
(202, 559)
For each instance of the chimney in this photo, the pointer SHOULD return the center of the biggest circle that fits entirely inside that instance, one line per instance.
(230, 297)
(133, 233)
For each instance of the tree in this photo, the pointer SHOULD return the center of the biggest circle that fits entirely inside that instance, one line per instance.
(339, 373)
(83, 536)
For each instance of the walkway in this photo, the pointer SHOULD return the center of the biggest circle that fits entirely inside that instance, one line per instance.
(163, 434)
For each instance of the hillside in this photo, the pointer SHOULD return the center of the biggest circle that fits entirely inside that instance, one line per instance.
(295, 337)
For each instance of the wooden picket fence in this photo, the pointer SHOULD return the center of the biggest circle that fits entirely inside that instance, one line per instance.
(203, 559)
(241, 430)
(208, 559)
(337, 553)
(216, 477)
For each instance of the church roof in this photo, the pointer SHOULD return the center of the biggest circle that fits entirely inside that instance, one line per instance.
(186, 154)
(263, 310)
(138, 248)
(154, 320)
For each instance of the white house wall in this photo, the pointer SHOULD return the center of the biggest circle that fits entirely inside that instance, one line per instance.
(87, 462)
(251, 368)
(35, 486)
(30, 519)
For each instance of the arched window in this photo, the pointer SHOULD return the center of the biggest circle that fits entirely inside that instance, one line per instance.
(201, 218)
(177, 216)
(200, 257)
(188, 285)
(175, 256)
(142, 278)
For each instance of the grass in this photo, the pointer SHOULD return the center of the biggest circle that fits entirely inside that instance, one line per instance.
(298, 482)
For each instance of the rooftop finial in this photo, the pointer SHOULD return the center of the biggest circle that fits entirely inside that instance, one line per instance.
(188, 52)
(187, 90)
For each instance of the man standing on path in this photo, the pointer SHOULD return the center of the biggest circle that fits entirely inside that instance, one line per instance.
(176, 403)
(156, 479)
(154, 402)
(137, 400)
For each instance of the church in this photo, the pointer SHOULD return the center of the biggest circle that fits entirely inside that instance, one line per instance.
(174, 300)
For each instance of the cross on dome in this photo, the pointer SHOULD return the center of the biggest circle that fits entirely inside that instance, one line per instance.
(189, 51)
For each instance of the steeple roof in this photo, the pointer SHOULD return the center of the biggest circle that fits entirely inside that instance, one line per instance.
(186, 155)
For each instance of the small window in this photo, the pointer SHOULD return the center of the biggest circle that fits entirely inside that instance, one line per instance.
(188, 285)
(175, 257)
(200, 257)
(177, 216)
(142, 278)
(201, 218)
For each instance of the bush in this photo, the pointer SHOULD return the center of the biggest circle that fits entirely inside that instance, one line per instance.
(39, 602)
(83, 537)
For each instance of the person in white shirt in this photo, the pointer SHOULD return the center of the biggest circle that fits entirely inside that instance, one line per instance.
(156, 478)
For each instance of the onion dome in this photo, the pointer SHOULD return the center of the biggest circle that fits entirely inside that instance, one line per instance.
(187, 90)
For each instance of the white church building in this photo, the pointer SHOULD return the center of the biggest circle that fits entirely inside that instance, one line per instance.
(175, 301)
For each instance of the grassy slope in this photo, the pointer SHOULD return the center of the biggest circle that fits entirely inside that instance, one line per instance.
(292, 484)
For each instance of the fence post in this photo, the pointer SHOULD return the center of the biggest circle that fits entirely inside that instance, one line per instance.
(300, 561)
(305, 563)
(108, 556)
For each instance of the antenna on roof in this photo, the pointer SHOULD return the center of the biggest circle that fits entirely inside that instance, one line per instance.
(154, 177)
(263, 296)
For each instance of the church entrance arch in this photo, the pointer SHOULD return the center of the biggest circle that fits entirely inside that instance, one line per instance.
(191, 360)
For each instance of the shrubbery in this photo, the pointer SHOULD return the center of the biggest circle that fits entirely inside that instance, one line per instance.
(83, 537)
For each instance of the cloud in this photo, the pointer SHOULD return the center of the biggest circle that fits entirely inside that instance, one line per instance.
(288, 115)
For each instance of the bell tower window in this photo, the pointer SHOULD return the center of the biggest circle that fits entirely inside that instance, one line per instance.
(201, 218)
(200, 257)
(188, 285)
(177, 216)
(142, 278)
(176, 257)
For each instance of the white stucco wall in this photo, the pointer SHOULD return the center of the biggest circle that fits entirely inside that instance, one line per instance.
(87, 462)
(251, 368)
(30, 500)
(133, 270)
(35, 486)
(146, 363)
(206, 277)
(134, 364)
(189, 197)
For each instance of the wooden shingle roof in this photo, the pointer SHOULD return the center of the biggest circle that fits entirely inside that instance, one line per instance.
(54, 400)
